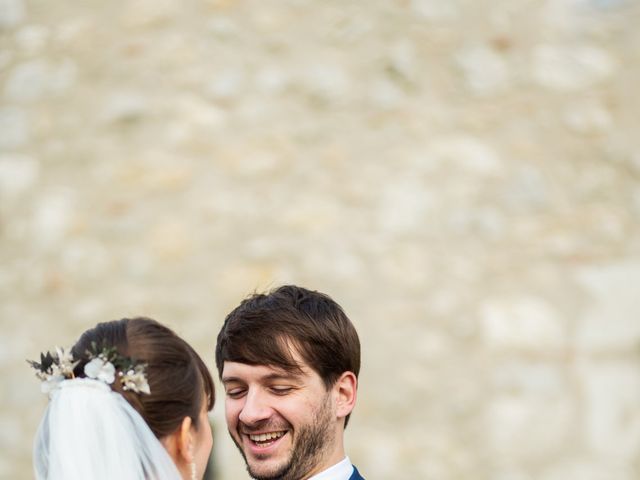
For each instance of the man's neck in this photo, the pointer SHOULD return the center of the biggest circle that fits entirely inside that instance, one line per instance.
(331, 458)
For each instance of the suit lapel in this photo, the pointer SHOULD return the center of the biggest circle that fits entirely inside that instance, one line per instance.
(355, 475)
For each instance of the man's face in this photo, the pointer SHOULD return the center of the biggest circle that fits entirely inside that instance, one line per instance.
(284, 424)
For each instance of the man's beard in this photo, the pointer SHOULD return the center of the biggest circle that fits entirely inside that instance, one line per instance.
(307, 451)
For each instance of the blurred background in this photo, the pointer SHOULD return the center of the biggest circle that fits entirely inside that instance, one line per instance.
(463, 176)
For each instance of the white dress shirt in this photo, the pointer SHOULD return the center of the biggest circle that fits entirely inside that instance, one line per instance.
(340, 471)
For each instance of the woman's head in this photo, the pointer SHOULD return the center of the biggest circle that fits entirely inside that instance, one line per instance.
(181, 388)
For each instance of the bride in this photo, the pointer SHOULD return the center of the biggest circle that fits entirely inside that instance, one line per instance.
(128, 401)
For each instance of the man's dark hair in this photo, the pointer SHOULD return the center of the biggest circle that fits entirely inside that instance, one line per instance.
(265, 328)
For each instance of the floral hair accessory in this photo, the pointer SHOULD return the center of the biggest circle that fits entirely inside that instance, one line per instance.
(105, 364)
(53, 368)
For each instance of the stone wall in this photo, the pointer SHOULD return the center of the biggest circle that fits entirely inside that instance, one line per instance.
(463, 176)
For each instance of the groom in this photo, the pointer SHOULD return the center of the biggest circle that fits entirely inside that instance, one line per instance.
(289, 363)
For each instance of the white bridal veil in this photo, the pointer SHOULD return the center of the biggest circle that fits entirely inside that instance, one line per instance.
(91, 432)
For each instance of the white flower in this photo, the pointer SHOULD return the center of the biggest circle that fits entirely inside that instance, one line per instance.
(50, 383)
(136, 380)
(56, 371)
(100, 370)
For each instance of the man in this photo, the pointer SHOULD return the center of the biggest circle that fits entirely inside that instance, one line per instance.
(289, 363)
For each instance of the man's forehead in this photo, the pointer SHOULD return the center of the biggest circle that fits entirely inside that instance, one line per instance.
(239, 370)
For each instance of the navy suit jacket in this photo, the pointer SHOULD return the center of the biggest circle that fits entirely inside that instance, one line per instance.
(356, 475)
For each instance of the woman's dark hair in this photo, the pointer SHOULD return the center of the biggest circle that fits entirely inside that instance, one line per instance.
(179, 381)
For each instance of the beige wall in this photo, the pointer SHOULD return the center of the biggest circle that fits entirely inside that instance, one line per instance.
(462, 175)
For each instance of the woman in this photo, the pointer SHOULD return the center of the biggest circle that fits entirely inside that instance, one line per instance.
(129, 401)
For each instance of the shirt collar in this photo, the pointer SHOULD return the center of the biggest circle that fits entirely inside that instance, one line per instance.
(340, 471)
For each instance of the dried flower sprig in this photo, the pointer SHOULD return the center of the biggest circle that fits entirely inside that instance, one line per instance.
(54, 367)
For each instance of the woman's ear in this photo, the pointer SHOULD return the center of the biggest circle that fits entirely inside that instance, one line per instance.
(179, 444)
(346, 389)
(185, 443)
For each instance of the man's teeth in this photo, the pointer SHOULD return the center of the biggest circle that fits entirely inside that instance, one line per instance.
(263, 437)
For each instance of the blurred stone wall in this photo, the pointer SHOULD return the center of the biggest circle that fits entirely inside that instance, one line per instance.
(463, 176)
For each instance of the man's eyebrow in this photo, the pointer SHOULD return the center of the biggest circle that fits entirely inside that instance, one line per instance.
(230, 379)
(270, 377)
(283, 376)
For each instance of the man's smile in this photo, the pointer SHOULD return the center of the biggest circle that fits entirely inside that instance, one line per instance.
(266, 439)
(265, 444)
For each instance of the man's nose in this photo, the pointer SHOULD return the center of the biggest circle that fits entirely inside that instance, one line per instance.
(255, 408)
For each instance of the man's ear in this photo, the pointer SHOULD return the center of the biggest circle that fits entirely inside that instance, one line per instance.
(346, 391)
(179, 444)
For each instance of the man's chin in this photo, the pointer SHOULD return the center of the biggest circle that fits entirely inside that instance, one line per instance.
(260, 466)
(265, 470)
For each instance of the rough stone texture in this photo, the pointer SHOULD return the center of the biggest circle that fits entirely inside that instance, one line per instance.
(463, 176)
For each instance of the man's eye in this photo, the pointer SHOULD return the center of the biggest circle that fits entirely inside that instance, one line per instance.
(235, 392)
(281, 390)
